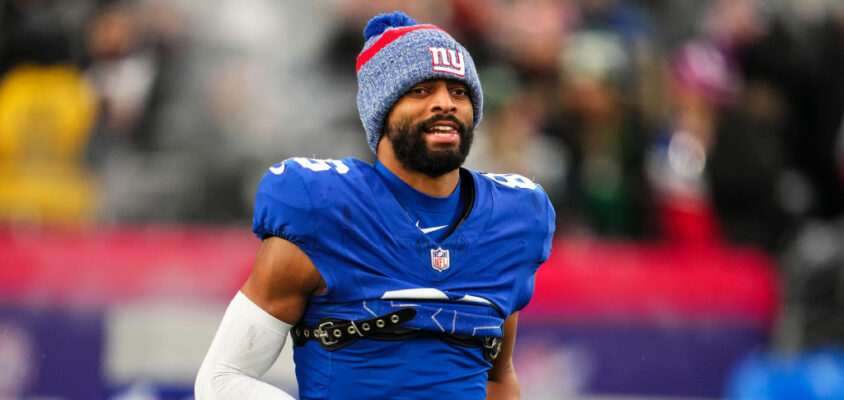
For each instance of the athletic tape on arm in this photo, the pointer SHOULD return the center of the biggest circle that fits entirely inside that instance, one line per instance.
(246, 345)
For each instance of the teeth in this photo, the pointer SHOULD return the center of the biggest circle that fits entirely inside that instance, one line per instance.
(441, 128)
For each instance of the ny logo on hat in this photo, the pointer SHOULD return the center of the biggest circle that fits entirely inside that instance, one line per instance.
(447, 60)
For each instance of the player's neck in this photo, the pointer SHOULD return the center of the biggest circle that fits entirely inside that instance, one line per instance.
(440, 186)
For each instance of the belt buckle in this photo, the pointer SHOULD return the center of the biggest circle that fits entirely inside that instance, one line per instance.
(492, 345)
(323, 334)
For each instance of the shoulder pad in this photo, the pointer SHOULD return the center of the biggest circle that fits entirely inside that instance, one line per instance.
(289, 193)
(517, 193)
(512, 181)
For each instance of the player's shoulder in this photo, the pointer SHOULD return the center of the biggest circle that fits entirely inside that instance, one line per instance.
(297, 195)
(314, 172)
(523, 205)
(514, 196)
(307, 180)
(510, 186)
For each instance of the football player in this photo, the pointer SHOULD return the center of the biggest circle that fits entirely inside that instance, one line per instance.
(401, 279)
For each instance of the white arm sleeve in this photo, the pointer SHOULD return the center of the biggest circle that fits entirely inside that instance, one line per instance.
(246, 345)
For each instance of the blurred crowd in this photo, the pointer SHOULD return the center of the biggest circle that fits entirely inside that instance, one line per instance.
(715, 121)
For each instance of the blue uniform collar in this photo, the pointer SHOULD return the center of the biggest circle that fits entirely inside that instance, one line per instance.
(415, 199)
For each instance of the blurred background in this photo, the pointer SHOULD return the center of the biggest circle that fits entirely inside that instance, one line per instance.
(693, 150)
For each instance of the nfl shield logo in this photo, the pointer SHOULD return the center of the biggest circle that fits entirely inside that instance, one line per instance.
(439, 259)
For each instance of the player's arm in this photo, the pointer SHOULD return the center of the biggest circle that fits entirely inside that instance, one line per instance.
(282, 280)
(502, 382)
(256, 323)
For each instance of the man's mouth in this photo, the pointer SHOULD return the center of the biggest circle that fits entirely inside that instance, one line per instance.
(443, 130)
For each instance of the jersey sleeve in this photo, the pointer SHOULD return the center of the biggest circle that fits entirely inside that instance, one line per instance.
(549, 226)
(543, 236)
(283, 207)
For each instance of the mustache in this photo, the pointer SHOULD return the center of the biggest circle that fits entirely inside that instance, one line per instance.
(461, 127)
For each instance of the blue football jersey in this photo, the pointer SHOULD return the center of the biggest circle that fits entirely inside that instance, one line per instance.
(375, 260)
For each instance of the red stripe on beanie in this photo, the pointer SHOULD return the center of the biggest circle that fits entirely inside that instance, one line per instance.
(387, 38)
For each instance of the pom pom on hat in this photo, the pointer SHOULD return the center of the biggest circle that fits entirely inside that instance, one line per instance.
(381, 22)
(399, 53)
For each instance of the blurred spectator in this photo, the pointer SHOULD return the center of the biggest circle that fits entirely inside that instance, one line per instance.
(133, 50)
(529, 34)
(605, 136)
(124, 71)
(701, 81)
(244, 88)
(47, 110)
(726, 132)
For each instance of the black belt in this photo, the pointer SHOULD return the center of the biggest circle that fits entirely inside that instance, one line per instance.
(334, 334)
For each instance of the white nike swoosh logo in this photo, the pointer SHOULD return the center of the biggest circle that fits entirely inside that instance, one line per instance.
(429, 230)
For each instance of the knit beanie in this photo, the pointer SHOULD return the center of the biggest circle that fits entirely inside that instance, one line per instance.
(400, 53)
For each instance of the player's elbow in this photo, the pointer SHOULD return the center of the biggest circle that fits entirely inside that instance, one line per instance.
(222, 382)
(211, 382)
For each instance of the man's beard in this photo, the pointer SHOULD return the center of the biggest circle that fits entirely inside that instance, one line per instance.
(413, 153)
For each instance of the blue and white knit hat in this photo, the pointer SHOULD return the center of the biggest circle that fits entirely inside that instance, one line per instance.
(398, 54)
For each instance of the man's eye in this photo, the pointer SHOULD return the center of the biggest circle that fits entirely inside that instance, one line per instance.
(461, 92)
(417, 90)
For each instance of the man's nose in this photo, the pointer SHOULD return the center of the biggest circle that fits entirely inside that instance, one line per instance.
(441, 100)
